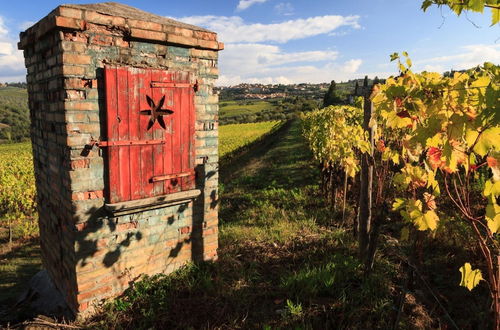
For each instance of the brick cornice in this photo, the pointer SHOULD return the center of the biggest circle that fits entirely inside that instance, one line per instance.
(68, 17)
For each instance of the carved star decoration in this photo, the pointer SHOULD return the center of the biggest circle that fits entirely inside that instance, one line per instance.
(156, 112)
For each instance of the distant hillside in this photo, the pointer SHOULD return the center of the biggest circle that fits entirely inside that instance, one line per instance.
(14, 114)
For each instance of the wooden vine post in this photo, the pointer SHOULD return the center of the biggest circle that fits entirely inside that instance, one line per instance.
(366, 186)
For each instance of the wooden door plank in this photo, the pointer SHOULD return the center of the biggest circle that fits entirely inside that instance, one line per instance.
(134, 133)
(146, 151)
(167, 148)
(176, 137)
(184, 132)
(123, 132)
(112, 133)
(158, 133)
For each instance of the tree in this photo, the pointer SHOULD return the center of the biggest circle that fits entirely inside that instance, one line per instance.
(356, 88)
(459, 6)
(332, 96)
(365, 82)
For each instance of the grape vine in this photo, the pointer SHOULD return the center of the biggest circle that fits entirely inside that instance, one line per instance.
(451, 129)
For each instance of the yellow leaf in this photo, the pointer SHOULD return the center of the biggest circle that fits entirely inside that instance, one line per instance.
(495, 16)
(470, 278)
(427, 220)
(493, 217)
(398, 204)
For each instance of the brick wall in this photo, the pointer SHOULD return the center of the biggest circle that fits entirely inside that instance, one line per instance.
(89, 253)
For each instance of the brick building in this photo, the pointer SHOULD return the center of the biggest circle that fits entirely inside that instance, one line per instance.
(124, 129)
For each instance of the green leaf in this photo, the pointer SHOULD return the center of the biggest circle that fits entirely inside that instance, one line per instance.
(450, 156)
(394, 56)
(470, 278)
(405, 54)
(405, 234)
(426, 4)
(476, 5)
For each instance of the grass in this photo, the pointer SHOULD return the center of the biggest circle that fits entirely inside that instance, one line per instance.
(282, 262)
(285, 263)
(235, 136)
(230, 109)
(17, 266)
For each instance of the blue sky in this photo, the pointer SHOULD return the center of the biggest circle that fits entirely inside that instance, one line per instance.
(274, 41)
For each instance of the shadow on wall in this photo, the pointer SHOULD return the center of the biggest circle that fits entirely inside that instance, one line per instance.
(128, 244)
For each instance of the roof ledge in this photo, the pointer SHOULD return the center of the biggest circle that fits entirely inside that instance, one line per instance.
(138, 24)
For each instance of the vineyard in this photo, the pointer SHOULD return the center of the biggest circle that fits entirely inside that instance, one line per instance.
(236, 136)
(424, 155)
(17, 182)
(17, 192)
(379, 209)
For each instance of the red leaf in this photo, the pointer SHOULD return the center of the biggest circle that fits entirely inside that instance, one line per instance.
(381, 145)
(434, 157)
(492, 161)
(403, 114)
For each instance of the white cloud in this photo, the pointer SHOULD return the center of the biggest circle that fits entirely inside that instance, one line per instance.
(245, 4)
(352, 66)
(244, 60)
(284, 8)
(434, 68)
(270, 64)
(6, 48)
(294, 74)
(11, 59)
(470, 56)
(247, 57)
(3, 28)
(234, 29)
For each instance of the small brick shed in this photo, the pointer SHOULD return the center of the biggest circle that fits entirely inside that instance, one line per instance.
(124, 127)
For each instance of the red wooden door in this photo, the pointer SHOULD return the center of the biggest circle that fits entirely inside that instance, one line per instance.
(150, 132)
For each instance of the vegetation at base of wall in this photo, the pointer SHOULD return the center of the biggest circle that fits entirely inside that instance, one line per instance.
(236, 136)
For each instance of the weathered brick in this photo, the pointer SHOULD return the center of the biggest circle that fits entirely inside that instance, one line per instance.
(101, 40)
(80, 196)
(75, 59)
(69, 12)
(81, 105)
(98, 18)
(148, 35)
(92, 293)
(74, 95)
(67, 22)
(120, 42)
(64, 68)
(152, 26)
(80, 163)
